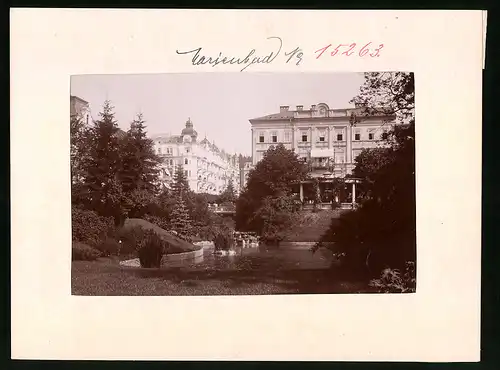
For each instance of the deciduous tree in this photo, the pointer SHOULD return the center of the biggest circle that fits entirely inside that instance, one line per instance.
(271, 177)
(381, 232)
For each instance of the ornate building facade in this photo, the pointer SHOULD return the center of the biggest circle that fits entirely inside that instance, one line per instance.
(207, 168)
(327, 139)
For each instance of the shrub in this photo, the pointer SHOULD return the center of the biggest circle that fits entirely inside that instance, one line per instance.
(109, 247)
(150, 250)
(158, 221)
(145, 244)
(131, 239)
(88, 227)
(391, 280)
(223, 240)
(84, 252)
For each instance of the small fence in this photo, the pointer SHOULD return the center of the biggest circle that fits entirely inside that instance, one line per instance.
(221, 208)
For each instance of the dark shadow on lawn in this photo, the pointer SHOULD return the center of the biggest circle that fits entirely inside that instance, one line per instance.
(302, 281)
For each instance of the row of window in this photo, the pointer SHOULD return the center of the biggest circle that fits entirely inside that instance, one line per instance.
(170, 150)
(274, 137)
(186, 162)
(305, 137)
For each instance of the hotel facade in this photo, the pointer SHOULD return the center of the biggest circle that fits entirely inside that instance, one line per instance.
(328, 140)
(208, 168)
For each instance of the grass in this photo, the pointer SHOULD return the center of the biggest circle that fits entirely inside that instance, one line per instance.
(311, 226)
(105, 277)
(177, 243)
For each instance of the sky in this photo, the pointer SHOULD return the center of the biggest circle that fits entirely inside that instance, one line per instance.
(219, 104)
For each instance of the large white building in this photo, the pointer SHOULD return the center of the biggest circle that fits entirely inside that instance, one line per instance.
(327, 139)
(207, 168)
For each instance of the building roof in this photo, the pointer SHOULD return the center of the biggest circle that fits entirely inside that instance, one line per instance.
(167, 138)
(74, 97)
(277, 116)
(120, 133)
(189, 130)
(319, 111)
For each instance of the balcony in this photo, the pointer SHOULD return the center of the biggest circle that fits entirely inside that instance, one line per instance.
(359, 144)
(321, 144)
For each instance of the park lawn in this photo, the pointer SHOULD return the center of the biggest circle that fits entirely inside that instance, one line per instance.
(310, 226)
(170, 238)
(105, 277)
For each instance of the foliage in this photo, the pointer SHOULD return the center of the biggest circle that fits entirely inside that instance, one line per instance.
(109, 247)
(161, 206)
(391, 280)
(275, 216)
(140, 164)
(131, 238)
(114, 173)
(381, 232)
(78, 148)
(101, 187)
(158, 220)
(150, 249)
(271, 177)
(228, 195)
(180, 220)
(137, 202)
(137, 238)
(198, 210)
(88, 227)
(223, 239)
(388, 93)
(84, 252)
(316, 194)
(180, 184)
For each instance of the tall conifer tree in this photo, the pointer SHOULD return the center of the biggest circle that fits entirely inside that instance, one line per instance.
(140, 164)
(180, 185)
(101, 167)
(180, 220)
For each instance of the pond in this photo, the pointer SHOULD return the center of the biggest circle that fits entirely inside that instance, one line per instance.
(262, 257)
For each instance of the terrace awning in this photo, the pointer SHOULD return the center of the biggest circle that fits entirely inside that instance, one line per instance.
(322, 153)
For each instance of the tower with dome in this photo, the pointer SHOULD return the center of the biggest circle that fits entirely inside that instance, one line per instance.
(207, 167)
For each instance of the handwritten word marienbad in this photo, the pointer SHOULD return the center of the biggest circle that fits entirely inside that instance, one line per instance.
(295, 56)
(252, 57)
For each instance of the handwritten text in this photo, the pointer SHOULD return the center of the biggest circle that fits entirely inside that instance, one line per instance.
(360, 50)
(248, 59)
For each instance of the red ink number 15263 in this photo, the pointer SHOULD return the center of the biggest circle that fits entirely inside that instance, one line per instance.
(350, 49)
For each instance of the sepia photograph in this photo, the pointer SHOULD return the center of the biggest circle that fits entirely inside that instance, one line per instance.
(243, 184)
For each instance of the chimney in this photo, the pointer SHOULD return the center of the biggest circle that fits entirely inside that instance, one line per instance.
(300, 107)
(313, 107)
(284, 108)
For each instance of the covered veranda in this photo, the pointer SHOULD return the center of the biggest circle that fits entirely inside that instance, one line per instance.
(331, 190)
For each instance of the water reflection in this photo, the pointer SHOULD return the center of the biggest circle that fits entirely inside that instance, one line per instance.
(257, 258)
